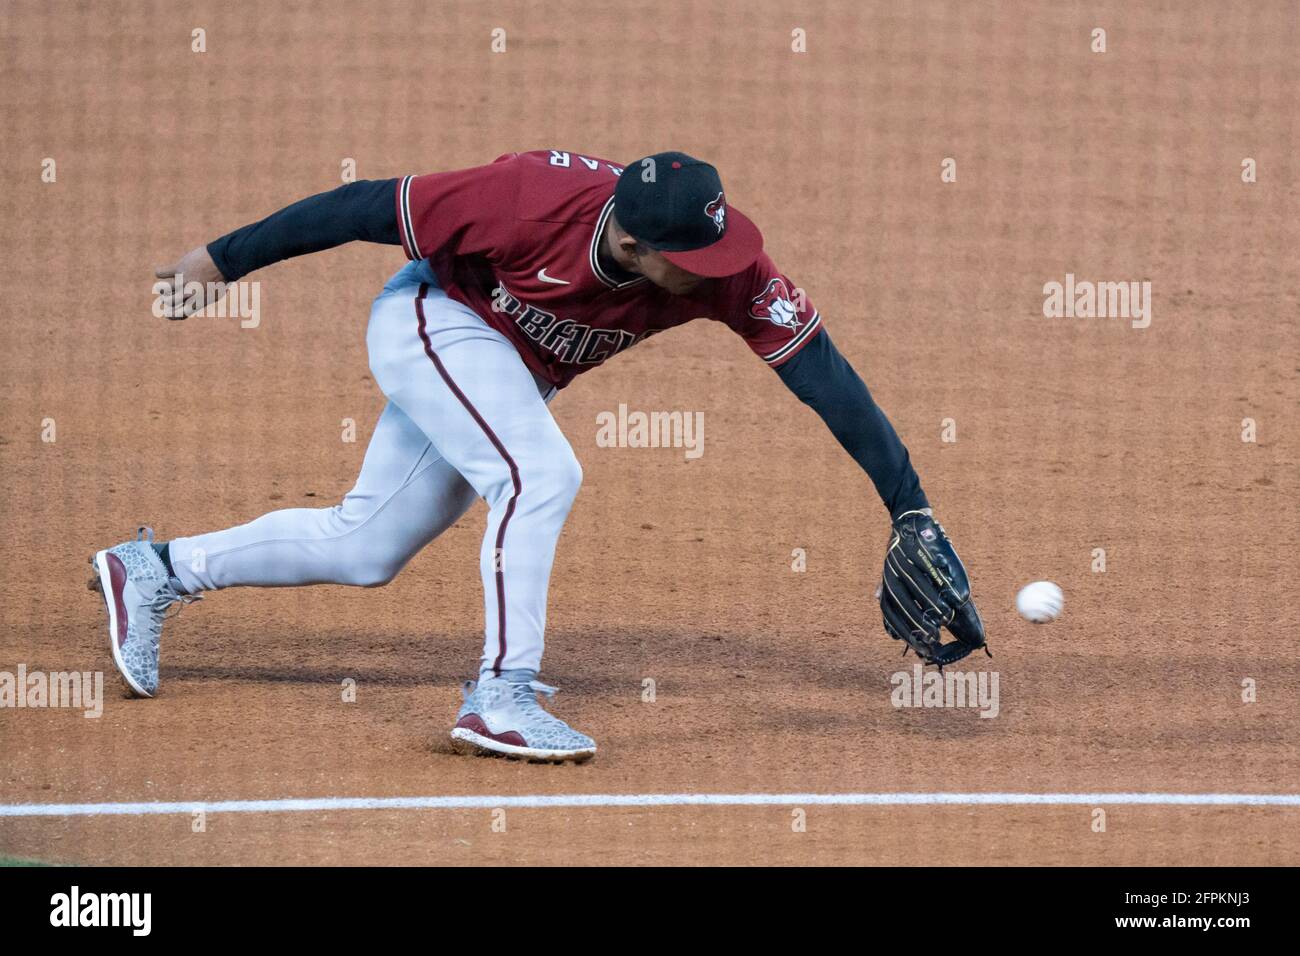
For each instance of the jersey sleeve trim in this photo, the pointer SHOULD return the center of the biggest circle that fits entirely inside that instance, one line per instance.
(404, 226)
(795, 344)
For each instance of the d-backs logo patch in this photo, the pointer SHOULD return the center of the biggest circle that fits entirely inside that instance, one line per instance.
(776, 306)
(717, 211)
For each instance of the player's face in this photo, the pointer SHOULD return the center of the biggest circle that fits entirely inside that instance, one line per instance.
(636, 257)
(664, 274)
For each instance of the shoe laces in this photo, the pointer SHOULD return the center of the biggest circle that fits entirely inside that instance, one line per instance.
(524, 694)
(167, 596)
(525, 698)
(468, 687)
(537, 687)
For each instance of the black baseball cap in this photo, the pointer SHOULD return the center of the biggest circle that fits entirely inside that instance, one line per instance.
(674, 203)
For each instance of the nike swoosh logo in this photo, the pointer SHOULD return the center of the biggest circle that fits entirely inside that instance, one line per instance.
(541, 274)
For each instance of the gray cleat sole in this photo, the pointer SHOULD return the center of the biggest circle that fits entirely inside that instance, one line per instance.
(466, 741)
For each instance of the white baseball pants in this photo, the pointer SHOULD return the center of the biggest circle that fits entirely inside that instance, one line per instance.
(466, 418)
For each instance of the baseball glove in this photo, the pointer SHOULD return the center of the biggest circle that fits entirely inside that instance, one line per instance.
(924, 589)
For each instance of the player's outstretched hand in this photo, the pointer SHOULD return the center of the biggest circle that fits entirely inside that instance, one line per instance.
(924, 589)
(187, 286)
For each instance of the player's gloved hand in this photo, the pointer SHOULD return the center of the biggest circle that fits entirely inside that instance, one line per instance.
(924, 589)
(188, 286)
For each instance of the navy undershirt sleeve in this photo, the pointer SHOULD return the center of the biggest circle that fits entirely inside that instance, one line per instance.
(365, 210)
(823, 379)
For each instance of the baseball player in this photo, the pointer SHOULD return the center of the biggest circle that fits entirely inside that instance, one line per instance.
(523, 274)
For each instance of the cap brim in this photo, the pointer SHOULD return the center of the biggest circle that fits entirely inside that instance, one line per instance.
(734, 252)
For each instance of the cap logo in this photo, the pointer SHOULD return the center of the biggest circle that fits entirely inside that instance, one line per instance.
(717, 211)
(774, 305)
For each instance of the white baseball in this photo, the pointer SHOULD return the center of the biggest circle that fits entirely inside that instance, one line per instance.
(1040, 602)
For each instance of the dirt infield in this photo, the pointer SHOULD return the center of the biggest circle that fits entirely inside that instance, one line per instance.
(1071, 434)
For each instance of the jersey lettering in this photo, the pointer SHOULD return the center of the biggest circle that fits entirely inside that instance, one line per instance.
(532, 225)
(533, 322)
(570, 342)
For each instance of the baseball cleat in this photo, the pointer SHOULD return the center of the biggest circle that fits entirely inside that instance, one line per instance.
(501, 715)
(137, 592)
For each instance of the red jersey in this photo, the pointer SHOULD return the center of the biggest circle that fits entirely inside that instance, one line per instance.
(518, 240)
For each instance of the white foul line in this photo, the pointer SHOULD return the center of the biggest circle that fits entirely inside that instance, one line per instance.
(326, 804)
